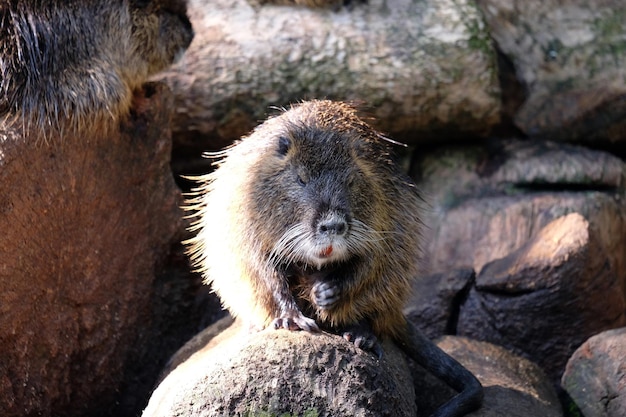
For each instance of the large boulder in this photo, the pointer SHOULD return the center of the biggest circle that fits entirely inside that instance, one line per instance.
(544, 299)
(276, 372)
(486, 201)
(222, 371)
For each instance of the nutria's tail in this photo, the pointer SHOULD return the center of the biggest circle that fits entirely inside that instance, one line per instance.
(446, 368)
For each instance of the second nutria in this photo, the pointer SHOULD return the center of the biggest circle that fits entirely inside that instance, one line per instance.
(309, 223)
(65, 64)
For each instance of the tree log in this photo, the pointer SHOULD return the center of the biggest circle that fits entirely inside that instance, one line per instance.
(416, 66)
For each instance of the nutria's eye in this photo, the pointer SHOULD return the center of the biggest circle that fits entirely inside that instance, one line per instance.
(302, 176)
(283, 145)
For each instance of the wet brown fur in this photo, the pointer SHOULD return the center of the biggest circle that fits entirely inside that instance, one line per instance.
(248, 202)
(73, 64)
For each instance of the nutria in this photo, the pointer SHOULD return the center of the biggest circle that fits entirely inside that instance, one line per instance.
(309, 223)
(67, 64)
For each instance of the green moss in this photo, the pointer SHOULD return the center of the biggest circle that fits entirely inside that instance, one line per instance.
(611, 25)
(610, 31)
(571, 409)
(479, 39)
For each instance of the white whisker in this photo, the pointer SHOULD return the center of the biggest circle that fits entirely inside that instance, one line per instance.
(290, 247)
(299, 244)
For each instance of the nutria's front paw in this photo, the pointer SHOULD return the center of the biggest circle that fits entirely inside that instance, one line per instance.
(326, 294)
(295, 321)
(363, 338)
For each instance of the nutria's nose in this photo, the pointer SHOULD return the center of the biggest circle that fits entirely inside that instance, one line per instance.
(332, 226)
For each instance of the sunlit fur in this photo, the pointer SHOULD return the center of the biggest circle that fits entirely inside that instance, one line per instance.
(252, 217)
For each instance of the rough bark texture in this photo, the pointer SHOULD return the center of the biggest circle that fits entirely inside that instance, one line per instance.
(86, 222)
(425, 66)
(544, 227)
(571, 55)
(594, 377)
(278, 372)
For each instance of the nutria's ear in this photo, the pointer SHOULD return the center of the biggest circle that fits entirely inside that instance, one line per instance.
(284, 143)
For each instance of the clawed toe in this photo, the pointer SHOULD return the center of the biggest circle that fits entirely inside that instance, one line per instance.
(363, 339)
(299, 322)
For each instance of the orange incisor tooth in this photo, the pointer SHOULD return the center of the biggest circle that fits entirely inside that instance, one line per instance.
(327, 251)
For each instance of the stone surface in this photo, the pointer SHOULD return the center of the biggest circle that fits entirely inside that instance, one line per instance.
(571, 57)
(86, 222)
(487, 201)
(595, 377)
(416, 66)
(514, 386)
(544, 299)
(434, 306)
(544, 226)
(280, 372)
(323, 375)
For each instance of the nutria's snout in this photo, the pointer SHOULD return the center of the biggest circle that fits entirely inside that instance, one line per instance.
(332, 224)
(330, 237)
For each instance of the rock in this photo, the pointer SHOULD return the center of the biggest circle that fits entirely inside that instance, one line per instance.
(416, 66)
(544, 226)
(206, 339)
(544, 299)
(487, 201)
(279, 372)
(594, 376)
(86, 222)
(434, 306)
(571, 57)
(296, 372)
(514, 386)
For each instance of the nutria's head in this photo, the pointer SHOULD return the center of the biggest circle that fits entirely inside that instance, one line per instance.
(319, 187)
(310, 195)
